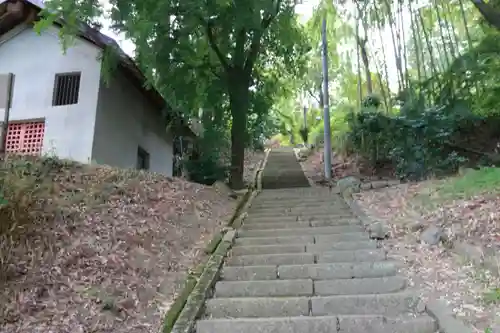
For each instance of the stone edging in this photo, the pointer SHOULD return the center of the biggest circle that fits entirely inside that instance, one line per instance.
(447, 323)
(473, 253)
(438, 309)
(186, 321)
(181, 317)
(258, 174)
(477, 256)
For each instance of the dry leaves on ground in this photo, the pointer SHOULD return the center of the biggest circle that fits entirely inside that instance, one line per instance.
(314, 168)
(435, 271)
(107, 252)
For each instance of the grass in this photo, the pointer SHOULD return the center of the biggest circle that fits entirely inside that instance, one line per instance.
(492, 296)
(472, 182)
(468, 183)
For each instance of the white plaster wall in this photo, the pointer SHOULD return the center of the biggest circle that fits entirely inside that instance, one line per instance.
(125, 120)
(35, 60)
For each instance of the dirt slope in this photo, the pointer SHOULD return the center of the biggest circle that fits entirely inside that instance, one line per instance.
(98, 249)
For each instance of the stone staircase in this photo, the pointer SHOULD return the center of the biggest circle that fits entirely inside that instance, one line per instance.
(302, 263)
(283, 171)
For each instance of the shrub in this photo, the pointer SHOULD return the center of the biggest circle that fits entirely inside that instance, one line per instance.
(415, 143)
(210, 158)
(206, 169)
(371, 101)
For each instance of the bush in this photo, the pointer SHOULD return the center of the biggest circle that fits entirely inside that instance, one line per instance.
(416, 143)
(210, 158)
(206, 169)
(371, 101)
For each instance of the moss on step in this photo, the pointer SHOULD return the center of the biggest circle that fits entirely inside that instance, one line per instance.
(192, 309)
(210, 248)
(178, 305)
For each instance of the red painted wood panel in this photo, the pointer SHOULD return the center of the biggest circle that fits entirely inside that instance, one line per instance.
(25, 138)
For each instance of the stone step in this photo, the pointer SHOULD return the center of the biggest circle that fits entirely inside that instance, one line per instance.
(278, 240)
(382, 304)
(292, 288)
(291, 205)
(300, 217)
(291, 202)
(272, 259)
(305, 194)
(311, 271)
(351, 256)
(254, 307)
(248, 225)
(275, 199)
(303, 218)
(307, 258)
(329, 271)
(366, 286)
(251, 273)
(298, 195)
(300, 248)
(257, 307)
(315, 203)
(341, 246)
(324, 324)
(333, 213)
(318, 202)
(239, 250)
(346, 237)
(300, 231)
(264, 288)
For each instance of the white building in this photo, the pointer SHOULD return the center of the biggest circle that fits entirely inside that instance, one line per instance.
(62, 105)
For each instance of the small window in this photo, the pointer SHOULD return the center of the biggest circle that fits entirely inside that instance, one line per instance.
(66, 89)
(142, 159)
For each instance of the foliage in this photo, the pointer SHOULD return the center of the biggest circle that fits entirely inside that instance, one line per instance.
(371, 101)
(209, 161)
(447, 81)
(417, 147)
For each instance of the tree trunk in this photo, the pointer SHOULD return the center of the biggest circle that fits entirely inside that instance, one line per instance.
(366, 65)
(397, 57)
(239, 102)
(358, 63)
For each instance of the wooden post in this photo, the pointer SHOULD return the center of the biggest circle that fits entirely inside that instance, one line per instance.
(6, 89)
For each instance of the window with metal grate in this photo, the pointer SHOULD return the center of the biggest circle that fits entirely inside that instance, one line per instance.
(66, 89)
(25, 138)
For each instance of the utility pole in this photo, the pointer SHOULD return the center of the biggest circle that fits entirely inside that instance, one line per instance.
(326, 104)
